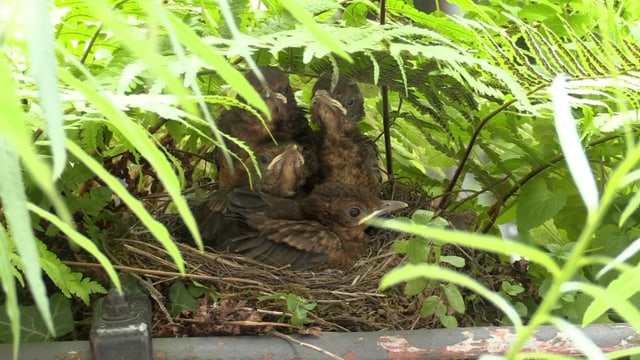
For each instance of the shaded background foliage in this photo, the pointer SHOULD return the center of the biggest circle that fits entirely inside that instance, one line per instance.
(472, 124)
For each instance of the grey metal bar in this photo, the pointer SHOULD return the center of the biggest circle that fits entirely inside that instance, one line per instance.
(462, 343)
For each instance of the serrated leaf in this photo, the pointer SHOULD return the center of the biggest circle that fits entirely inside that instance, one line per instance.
(536, 204)
(43, 63)
(14, 202)
(454, 297)
(7, 274)
(355, 14)
(309, 23)
(68, 281)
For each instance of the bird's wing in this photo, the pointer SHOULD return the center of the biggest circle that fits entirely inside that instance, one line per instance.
(302, 244)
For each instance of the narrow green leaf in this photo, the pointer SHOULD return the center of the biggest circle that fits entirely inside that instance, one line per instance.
(142, 48)
(619, 290)
(157, 229)
(629, 251)
(307, 20)
(208, 54)
(9, 288)
(571, 146)
(477, 241)
(14, 202)
(630, 209)
(140, 138)
(579, 338)
(43, 63)
(81, 240)
(14, 125)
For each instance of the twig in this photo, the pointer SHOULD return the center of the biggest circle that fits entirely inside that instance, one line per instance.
(158, 297)
(164, 273)
(304, 344)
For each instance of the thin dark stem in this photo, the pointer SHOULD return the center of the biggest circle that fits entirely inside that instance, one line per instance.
(495, 209)
(467, 153)
(94, 38)
(386, 122)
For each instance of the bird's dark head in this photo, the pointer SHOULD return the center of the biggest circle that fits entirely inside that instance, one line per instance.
(345, 207)
(282, 167)
(346, 91)
(275, 90)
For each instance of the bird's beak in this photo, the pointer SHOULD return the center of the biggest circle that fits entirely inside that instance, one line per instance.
(290, 149)
(280, 97)
(323, 95)
(268, 92)
(388, 206)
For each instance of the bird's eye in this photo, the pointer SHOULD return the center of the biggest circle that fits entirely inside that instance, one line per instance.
(354, 211)
(349, 102)
(264, 159)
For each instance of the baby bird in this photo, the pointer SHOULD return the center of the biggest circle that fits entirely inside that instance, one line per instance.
(285, 123)
(345, 154)
(346, 92)
(283, 174)
(323, 230)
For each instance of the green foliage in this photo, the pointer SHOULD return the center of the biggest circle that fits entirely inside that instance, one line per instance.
(422, 250)
(33, 326)
(183, 298)
(142, 79)
(297, 307)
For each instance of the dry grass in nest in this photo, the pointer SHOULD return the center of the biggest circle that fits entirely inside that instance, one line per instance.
(346, 300)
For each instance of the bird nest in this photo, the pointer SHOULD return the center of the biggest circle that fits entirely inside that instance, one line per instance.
(250, 297)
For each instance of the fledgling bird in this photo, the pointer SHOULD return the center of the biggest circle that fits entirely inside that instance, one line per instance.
(287, 121)
(345, 155)
(282, 167)
(283, 174)
(346, 91)
(323, 230)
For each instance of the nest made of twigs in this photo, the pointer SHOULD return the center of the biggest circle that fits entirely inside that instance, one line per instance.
(345, 300)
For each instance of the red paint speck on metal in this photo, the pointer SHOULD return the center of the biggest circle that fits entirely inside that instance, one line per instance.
(349, 356)
(399, 348)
